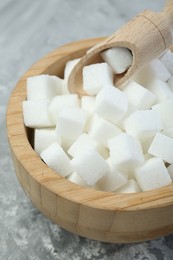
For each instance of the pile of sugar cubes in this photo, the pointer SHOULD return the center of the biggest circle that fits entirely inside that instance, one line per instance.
(114, 139)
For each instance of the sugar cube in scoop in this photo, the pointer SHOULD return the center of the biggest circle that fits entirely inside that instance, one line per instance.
(118, 58)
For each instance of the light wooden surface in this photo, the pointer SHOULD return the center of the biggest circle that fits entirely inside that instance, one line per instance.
(147, 36)
(94, 214)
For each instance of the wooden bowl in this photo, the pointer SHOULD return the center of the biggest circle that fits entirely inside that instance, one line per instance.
(104, 216)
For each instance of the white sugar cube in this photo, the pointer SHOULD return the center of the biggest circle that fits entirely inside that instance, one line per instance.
(168, 132)
(103, 151)
(160, 89)
(170, 83)
(69, 67)
(101, 130)
(111, 104)
(75, 178)
(65, 90)
(57, 159)
(43, 138)
(152, 175)
(88, 103)
(162, 147)
(139, 96)
(158, 70)
(92, 117)
(36, 114)
(90, 166)
(167, 60)
(112, 180)
(146, 145)
(82, 143)
(96, 76)
(143, 124)
(65, 142)
(125, 152)
(118, 58)
(130, 187)
(41, 87)
(71, 122)
(153, 70)
(147, 156)
(170, 171)
(88, 122)
(131, 110)
(59, 83)
(58, 102)
(165, 111)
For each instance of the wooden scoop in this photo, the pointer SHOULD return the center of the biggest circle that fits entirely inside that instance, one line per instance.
(147, 36)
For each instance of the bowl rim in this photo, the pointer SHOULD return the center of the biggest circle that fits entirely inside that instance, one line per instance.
(35, 167)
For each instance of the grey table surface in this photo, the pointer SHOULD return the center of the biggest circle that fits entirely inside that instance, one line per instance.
(29, 29)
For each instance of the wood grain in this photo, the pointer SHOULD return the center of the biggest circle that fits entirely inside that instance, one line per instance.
(104, 216)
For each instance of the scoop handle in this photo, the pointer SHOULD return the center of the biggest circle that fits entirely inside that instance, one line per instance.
(168, 13)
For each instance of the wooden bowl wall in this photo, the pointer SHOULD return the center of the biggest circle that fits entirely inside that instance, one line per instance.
(104, 216)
